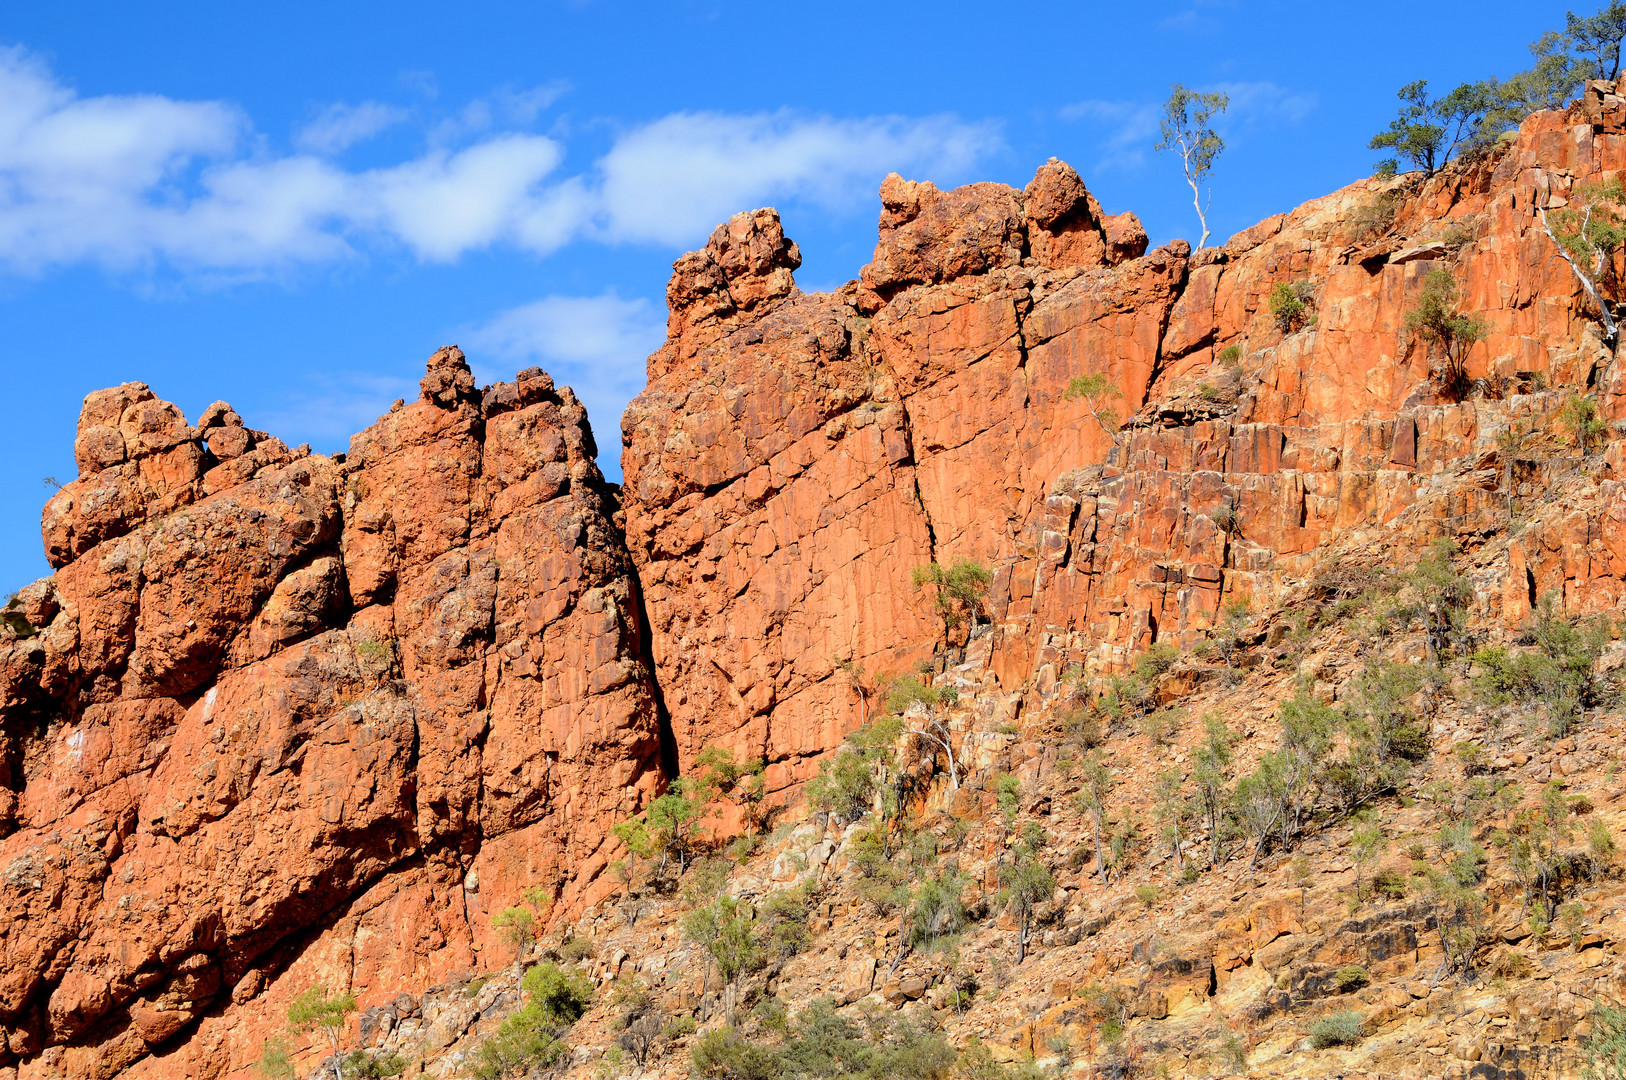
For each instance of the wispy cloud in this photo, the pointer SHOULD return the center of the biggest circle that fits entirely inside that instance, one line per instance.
(1195, 17)
(596, 345)
(1263, 104)
(144, 181)
(1130, 129)
(339, 127)
(328, 408)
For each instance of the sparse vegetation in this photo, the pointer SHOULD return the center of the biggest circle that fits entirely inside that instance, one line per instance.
(1371, 220)
(821, 1042)
(316, 1010)
(1188, 130)
(1605, 1048)
(1445, 332)
(1344, 1028)
(532, 1038)
(957, 590)
(1097, 391)
(1290, 305)
(1588, 232)
(1429, 130)
(1585, 425)
(1025, 883)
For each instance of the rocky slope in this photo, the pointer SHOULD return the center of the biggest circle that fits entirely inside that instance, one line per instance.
(280, 719)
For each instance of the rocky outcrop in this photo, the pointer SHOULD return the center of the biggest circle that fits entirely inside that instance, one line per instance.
(280, 719)
(796, 456)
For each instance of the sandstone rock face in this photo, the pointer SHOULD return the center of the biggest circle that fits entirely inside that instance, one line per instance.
(280, 719)
(791, 462)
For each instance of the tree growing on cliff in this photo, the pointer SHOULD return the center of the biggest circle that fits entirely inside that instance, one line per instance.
(532, 1038)
(1588, 231)
(517, 926)
(1092, 799)
(958, 590)
(723, 929)
(1442, 329)
(1596, 40)
(921, 705)
(1188, 130)
(851, 779)
(1095, 391)
(316, 1010)
(1210, 763)
(1428, 130)
(1025, 884)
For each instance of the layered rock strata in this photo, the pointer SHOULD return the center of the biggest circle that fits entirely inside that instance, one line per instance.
(280, 718)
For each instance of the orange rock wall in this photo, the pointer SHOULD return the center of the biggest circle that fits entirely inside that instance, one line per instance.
(795, 456)
(288, 719)
(280, 719)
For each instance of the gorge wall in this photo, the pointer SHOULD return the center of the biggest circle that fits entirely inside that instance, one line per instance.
(280, 718)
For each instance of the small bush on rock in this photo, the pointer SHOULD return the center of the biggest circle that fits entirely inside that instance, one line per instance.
(1343, 1028)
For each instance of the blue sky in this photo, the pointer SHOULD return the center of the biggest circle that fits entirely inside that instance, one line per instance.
(289, 206)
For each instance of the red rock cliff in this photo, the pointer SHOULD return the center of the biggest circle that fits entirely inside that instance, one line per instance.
(279, 718)
(795, 456)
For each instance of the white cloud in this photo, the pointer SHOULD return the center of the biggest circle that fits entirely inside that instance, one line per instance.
(670, 180)
(442, 205)
(142, 181)
(596, 345)
(339, 127)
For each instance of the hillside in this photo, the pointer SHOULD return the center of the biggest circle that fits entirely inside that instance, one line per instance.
(281, 720)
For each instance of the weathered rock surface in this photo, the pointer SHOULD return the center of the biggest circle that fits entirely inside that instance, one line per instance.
(793, 459)
(280, 718)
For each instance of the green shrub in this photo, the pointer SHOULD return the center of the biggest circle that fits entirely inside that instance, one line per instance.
(1082, 726)
(360, 1065)
(1350, 977)
(1390, 884)
(561, 995)
(1146, 894)
(1585, 425)
(1337, 1029)
(577, 949)
(1157, 659)
(275, 1063)
(820, 1042)
(516, 925)
(1436, 322)
(785, 916)
(1605, 1048)
(1371, 220)
(849, 780)
(1290, 305)
(1009, 796)
(957, 590)
(1231, 355)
